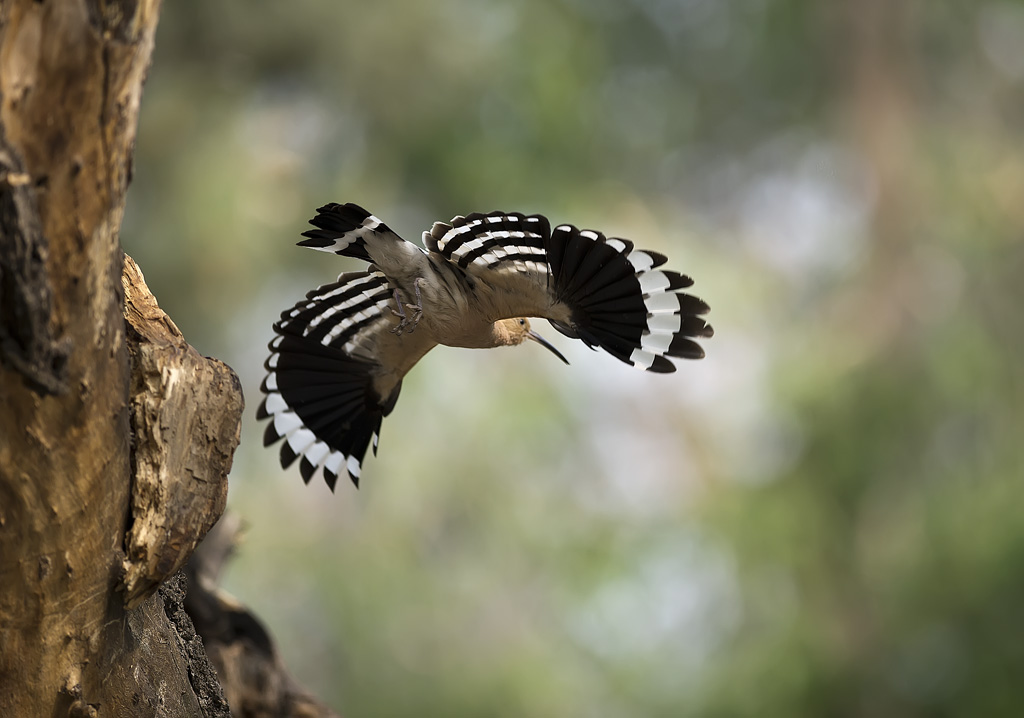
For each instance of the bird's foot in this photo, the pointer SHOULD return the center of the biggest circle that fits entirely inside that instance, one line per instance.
(408, 324)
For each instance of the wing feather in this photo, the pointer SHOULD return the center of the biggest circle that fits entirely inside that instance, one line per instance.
(327, 388)
(595, 288)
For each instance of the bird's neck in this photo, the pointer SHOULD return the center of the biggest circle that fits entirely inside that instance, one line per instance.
(501, 336)
(475, 336)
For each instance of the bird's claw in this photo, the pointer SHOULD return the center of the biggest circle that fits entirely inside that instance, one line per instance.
(408, 325)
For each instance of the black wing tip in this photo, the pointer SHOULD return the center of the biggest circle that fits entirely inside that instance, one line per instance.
(315, 240)
(692, 325)
(330, 478)
(261, 410)
(676, 280)
(657, 258)
(661, 365)
(270, 435)
(685, 280)
(691, 305)
(349, 210)
(685, 348)
(288, 456)
(332, 222)
(307, 469)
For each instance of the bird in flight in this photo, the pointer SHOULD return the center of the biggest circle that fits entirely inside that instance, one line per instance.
(337, 363)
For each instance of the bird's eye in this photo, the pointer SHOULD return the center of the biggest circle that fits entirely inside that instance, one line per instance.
(522, 322)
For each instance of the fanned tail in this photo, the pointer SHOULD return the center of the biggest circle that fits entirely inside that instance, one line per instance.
(620, 302)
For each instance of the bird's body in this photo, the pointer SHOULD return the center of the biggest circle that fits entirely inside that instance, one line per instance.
(337, 364)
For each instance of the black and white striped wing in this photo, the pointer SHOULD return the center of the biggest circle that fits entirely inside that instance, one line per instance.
(504, 250)
(348, 230)
(321, 396)
(590, 287)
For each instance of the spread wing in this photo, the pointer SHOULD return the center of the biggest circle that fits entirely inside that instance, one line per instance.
(597, 289)
(326, 388)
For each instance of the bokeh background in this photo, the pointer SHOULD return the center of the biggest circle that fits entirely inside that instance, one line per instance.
(822, 518)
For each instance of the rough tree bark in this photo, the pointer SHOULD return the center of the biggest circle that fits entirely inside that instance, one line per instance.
(115, 435)
(79, 522)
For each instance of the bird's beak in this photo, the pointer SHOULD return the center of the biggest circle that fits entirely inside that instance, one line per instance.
(546, 344)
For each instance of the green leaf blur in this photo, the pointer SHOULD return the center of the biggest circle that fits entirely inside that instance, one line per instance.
(821, 518)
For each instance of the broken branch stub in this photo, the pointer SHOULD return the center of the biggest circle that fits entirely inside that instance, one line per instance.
(186, 414)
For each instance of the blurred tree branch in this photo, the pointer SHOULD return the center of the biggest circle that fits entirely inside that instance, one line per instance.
(255, 680)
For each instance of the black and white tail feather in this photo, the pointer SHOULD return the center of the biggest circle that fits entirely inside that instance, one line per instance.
(337, 363)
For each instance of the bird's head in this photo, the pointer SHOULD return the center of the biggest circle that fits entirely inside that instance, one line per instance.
(512, 332)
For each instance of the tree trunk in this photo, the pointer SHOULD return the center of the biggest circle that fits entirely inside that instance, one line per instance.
(116, 436)
(103, 490)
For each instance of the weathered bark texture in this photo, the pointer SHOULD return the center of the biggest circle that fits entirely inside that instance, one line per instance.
(115, 435)
(71, 75)
(186, 411)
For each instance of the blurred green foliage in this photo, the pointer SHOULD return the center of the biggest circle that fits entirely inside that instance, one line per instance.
(822, 518)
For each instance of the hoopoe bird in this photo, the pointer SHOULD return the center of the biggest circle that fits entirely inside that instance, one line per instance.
(337, 363)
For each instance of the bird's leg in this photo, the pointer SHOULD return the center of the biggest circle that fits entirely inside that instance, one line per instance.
(417, 308)
(400, 313)
(407, 324)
